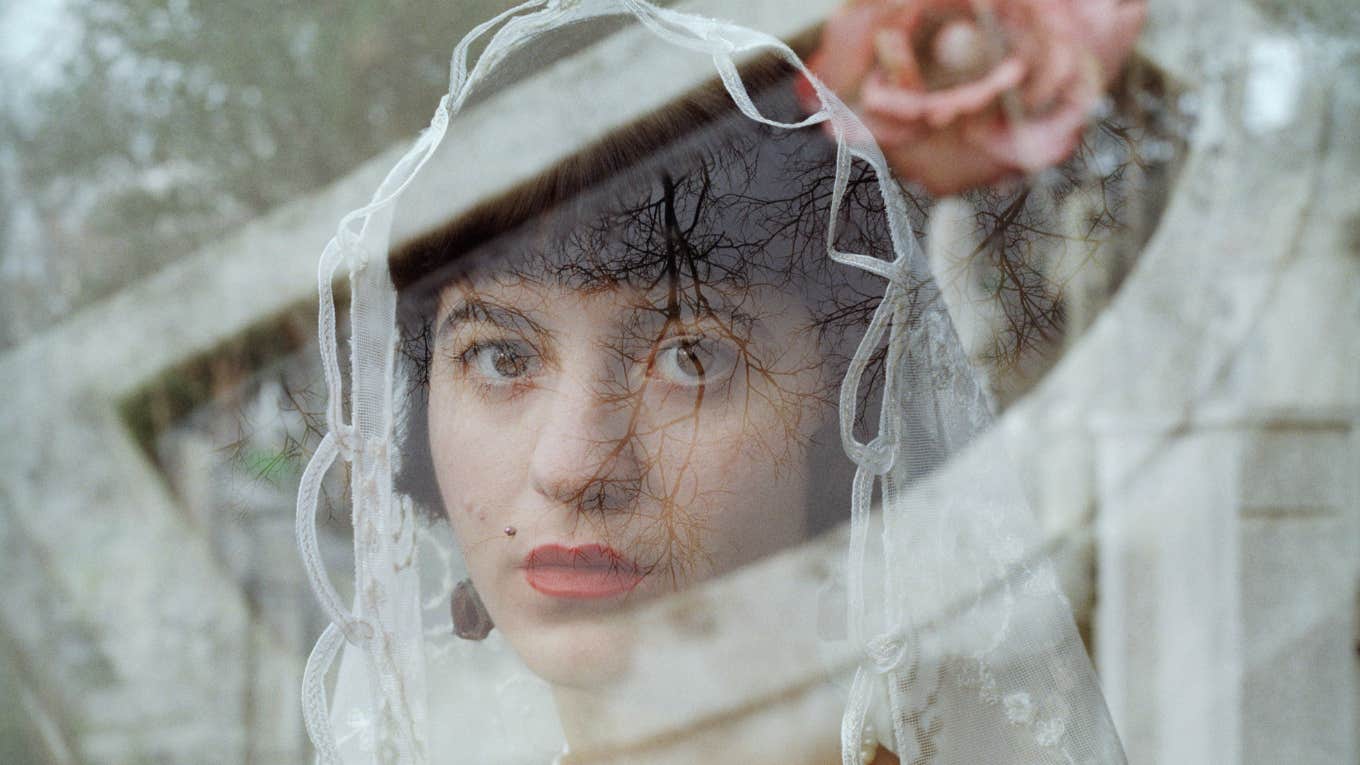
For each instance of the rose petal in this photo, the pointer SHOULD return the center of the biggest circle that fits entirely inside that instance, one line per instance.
(1053, 73)
(1110, 28)
(892, 133)
(1059, 56)
(807, 95)
(977, 95)
(945, 164)
(1033, 144)
(847, 52)
(1118, 34)
(940, 107)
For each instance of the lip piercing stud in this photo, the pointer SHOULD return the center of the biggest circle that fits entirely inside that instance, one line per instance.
(509, 531)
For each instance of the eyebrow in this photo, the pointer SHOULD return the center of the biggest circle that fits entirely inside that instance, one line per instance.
(479, 311)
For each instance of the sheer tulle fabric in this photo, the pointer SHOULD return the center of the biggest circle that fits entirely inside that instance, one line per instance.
(966, 650)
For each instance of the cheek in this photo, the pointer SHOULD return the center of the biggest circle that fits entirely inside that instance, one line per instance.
(745, 484)
(758, 509)
(477, 460)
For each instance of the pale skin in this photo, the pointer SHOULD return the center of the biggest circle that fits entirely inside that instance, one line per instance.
(594, 416)
(587, 417)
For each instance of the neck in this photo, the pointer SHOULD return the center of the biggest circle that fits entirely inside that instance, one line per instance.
(583, 714)
(604, 726)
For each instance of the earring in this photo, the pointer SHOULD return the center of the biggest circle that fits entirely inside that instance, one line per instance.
(470, 619)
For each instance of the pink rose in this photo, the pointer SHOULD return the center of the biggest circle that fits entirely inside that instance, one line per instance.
(964, 93)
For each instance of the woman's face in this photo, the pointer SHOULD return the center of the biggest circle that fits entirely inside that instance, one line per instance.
(595, 447)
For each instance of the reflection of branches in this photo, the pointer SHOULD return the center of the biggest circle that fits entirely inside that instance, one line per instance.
(1085, 220)
(1031, 315)
(721, 243)
(716, 236)
(278, 421)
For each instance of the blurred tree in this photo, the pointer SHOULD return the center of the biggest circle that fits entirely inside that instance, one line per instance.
(173, 122)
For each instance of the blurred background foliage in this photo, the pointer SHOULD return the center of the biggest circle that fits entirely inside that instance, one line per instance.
(133, 131)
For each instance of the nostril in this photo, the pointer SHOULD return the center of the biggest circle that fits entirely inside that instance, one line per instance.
(601, 491)
(607, 496)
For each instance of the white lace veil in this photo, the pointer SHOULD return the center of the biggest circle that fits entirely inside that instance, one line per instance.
(937, 624)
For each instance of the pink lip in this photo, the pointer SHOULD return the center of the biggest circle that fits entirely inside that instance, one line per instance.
(587, 572)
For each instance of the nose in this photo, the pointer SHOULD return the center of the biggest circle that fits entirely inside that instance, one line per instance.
(586, 457)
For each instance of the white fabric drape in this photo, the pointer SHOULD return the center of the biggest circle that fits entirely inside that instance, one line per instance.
(968, 649)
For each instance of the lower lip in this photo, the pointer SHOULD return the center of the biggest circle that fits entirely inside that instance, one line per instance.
(580, 583)
(589, 572)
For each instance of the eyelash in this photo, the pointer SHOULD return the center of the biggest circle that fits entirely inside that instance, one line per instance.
(472, 360)
(475, 362)
(722, 360)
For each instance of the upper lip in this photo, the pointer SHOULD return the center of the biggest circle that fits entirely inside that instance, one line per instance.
(588, 556)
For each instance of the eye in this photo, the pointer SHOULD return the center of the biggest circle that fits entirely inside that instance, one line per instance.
(693, 361)
(501, 362)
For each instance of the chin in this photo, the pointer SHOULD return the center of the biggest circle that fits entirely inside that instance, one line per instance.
(587, 653)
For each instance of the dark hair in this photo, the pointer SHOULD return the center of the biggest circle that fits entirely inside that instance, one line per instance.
(697, 189)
